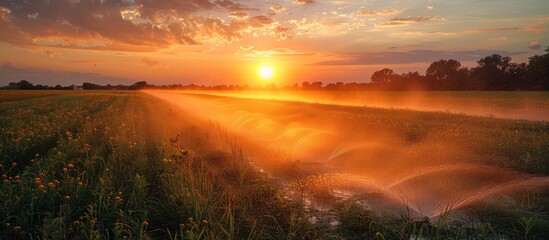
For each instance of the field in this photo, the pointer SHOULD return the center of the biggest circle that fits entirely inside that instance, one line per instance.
(226, 165)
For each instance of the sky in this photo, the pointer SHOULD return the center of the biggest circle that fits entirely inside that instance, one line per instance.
(211, 42)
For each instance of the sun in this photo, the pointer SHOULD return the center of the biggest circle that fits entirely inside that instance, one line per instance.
(266, 72)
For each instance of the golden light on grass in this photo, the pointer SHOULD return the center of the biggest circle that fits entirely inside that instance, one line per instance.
(266, 72)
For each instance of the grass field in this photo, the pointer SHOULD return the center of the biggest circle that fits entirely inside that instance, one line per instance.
(154, 165)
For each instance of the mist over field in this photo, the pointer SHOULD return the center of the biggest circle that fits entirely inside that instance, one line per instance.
(428, 162)
(513, 105)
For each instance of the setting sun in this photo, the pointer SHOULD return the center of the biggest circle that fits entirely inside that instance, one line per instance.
(266, 72)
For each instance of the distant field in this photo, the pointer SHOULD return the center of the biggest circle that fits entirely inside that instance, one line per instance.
(515, 105)
(172, 165)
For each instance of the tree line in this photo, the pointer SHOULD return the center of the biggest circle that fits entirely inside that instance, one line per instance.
(492, 73)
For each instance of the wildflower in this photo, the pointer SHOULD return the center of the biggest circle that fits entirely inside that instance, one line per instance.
(145, 223)
(65, 169)
(205, 221)
(70, 165)
(4, 176)
(36, 155)
(117, 198)
(8, 225)
(17, 228)
(13, 164)
(67, 198)
(92, 222)
(17, 178)
(41, 187)
(37, 180)
(51, 185)
(76, 222)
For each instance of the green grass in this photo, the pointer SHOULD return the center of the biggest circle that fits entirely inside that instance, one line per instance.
(123, 165)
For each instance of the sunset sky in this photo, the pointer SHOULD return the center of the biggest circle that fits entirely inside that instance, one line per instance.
(226, 41)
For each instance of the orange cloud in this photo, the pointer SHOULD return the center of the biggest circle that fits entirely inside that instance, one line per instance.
(238, 15)
(409, 20)
(278, 8)
(148, 25)
(303, 2)
(534, 45)
(150, 62)
(364, 12)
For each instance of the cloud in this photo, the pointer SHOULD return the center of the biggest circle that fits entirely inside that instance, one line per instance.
(333, 24)
(493, 29)
(382, 12)
(537, 28)
(414, 56)
(246, 48)
(238, 15)
(501, 38)
(278, 8)
(123, 25)
(303, 2)
(150, 62)
(418, 33)
(534, 45)
(261, 19)
(410, 20)
(282, 52)
(49, 52)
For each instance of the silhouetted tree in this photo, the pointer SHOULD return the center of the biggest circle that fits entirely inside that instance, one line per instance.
(409, 81)
(382, 76)
(492, 72)
(142, 85)
(305, 85)
(24, 84)
(316, 86)
(89, 86)
(446, 75)
(537, 72)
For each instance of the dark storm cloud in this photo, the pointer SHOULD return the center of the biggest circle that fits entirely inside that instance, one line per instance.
(98, 24)
(415, 56)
